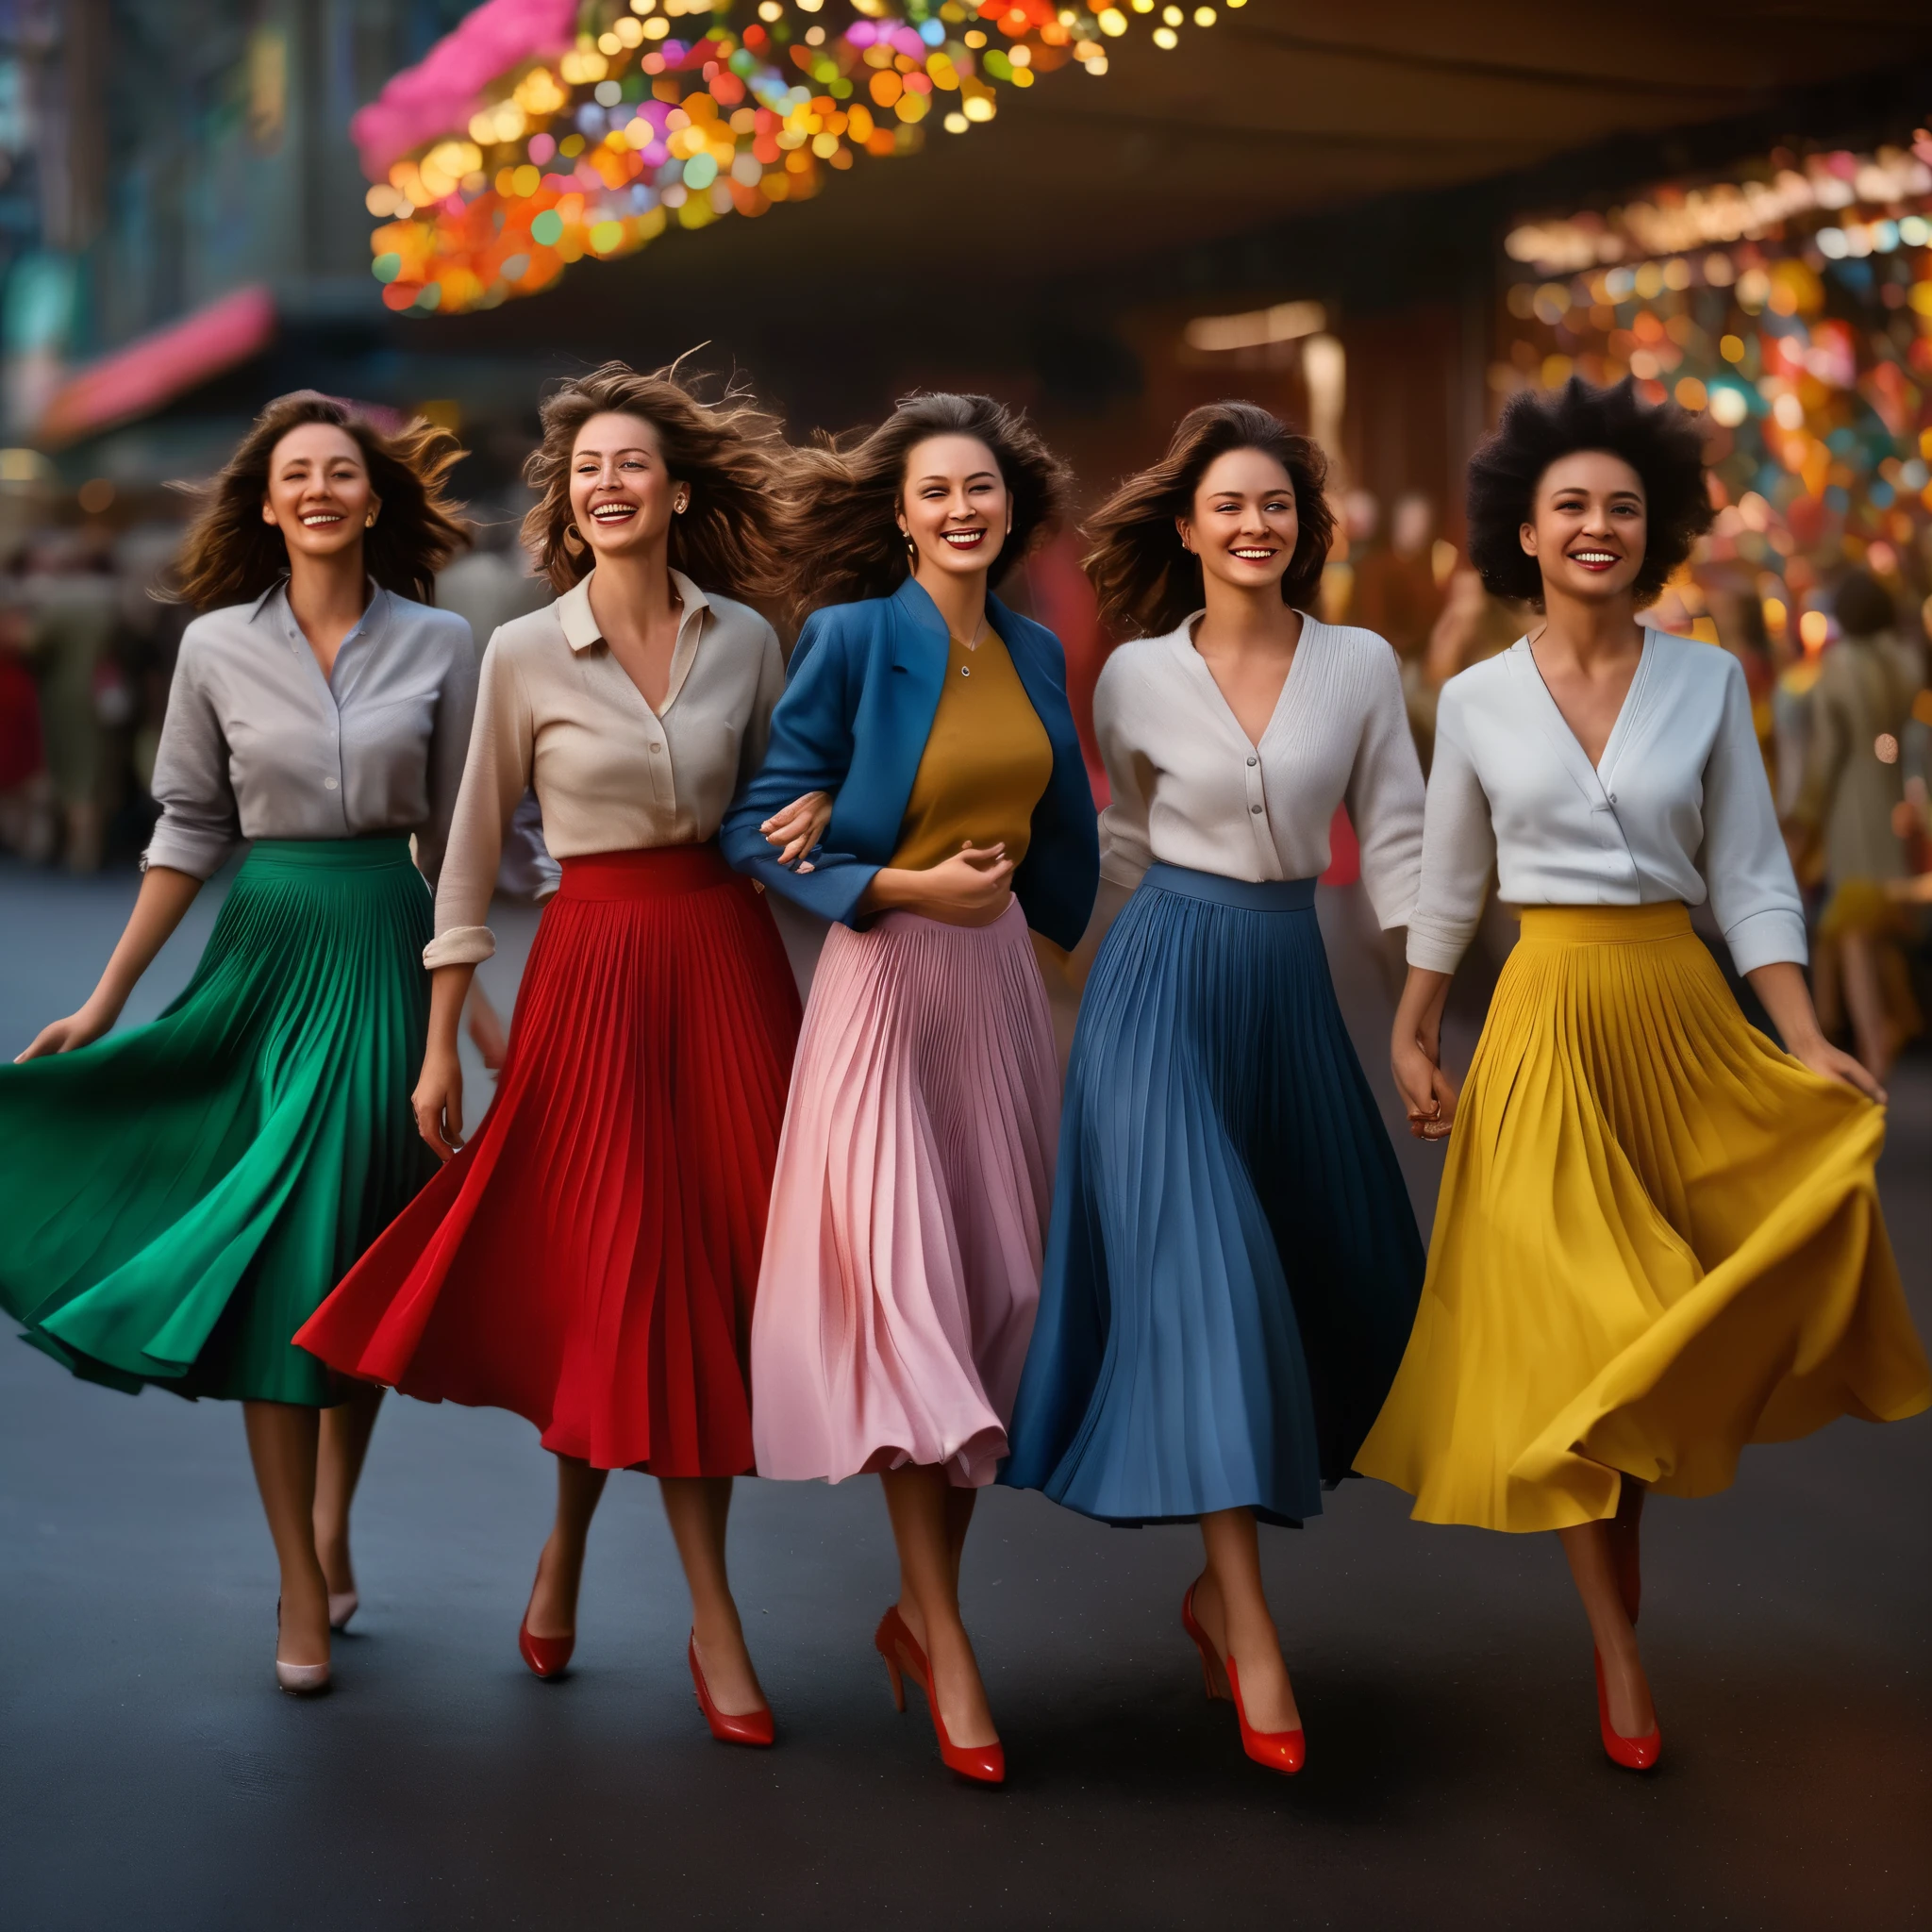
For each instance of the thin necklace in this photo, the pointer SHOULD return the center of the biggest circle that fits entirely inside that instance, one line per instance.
(979, 637)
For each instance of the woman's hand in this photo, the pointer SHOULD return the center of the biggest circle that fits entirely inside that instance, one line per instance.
(78, 1029)
(165, 895)
(1429, 1094)
(968, 889)
(1788, 1000)
(798, 827)
(437, 1102)
(1823, 1057)
(485, 1029)
(1415, 1054)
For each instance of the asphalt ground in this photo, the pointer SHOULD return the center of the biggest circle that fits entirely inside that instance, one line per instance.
(150, 1776)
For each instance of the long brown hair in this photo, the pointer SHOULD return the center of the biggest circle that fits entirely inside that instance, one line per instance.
(842, 537)
(230, 556)
(1145, 581)
(725, 452)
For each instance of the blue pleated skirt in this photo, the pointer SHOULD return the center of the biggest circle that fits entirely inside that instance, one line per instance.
(1233, 1264)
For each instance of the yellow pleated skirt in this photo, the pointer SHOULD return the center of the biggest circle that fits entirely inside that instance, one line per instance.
(1658, 1238)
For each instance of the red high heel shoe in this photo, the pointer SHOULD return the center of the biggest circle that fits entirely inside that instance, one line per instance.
(744, 1728)
(546, 1656)
(985, 1764)
(1633, 1754)
(1282, 1751)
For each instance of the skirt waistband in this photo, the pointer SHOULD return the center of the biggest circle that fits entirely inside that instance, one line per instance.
(1249, 895)
(374, 854)
(658, 872)
(1605, 926)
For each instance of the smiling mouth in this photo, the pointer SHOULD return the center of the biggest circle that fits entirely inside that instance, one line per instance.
(1594, 559)
(963, 539)
(1250, 553)
(321, 519)
(613, 512)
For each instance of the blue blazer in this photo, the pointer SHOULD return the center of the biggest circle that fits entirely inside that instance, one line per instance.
(857, 709)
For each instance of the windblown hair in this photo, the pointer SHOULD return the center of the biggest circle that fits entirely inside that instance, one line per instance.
(1658, 440)
(725, 452)
(844, 539)
(230, 556)
(1146, 582)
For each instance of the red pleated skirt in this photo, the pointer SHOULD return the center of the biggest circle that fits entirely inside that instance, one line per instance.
(590, 1258)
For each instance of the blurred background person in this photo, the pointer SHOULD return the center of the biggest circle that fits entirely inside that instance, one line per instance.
(1395, 589)
(74, 614)
(1848, 804)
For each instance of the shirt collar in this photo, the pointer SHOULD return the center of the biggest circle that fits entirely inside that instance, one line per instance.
(579, 622)
(274, 602)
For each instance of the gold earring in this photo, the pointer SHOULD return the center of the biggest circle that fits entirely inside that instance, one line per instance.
(369, 522)
(677, 508)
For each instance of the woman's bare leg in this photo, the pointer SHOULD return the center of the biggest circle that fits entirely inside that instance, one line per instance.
(697, 1508)
(1592, 1563)
(930, 1530)
(1232, 1607)
(282, 1445)
(553, 1610)
(345, 1432)
(1872, 1032)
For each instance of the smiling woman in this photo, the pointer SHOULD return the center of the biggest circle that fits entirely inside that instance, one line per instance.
(1658, 1237)
(1233, 1265)
(902, 1256)
(178, 1200)
(588, 1259)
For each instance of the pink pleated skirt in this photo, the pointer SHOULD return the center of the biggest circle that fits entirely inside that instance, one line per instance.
(910, 1208)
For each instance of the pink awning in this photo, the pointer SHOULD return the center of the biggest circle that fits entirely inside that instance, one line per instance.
(139, 378)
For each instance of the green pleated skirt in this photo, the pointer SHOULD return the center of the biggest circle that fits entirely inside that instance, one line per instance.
(177, 1200)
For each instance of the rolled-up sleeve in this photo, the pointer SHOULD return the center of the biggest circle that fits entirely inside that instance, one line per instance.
(1458, 849)
(495, 775)
(1754, 894)
(200, 823)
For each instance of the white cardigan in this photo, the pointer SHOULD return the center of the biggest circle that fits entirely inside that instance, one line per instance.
(1678, 808)
(1191, 790)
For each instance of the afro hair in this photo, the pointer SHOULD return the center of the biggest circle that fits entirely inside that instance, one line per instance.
(1659, 442)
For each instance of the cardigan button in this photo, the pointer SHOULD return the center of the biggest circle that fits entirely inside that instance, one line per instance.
(1256, 809)
(1253, 762)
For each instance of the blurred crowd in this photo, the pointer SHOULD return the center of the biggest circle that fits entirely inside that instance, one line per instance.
(1844, 715)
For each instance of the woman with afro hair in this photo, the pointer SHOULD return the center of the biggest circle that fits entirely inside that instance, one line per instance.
(1659, 1236)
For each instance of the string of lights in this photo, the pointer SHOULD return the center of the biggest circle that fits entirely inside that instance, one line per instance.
(669, 115)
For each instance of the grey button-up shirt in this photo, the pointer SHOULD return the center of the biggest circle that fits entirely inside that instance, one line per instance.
(258, 744)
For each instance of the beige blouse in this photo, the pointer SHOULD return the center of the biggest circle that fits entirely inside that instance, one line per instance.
(557, 710)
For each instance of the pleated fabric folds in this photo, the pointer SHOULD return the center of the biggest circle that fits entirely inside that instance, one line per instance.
(588, 1260)
(1658, 1240)
(902, 1260)
(175, 1201)
(1234, 1264)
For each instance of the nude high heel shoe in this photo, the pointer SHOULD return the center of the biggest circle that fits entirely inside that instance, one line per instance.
(298, 1680)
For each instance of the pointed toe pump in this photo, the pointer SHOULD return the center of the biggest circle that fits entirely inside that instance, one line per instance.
(1633, 1754)
(1282, 1751)
(983, 1764)
(742, 1727)
(547, 1657)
